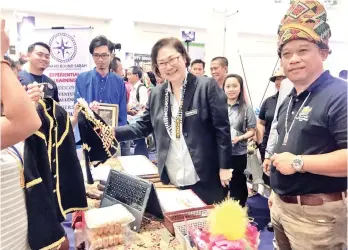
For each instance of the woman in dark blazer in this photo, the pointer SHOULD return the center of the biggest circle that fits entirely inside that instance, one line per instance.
(192, 133)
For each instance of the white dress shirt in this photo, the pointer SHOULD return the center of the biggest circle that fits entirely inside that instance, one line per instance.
(180, 168)
(285, 89)
(143, 95)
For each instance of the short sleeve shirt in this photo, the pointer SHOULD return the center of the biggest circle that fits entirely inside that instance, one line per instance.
(240, 121)
(319, 118)
(50, 90)
(267, 114)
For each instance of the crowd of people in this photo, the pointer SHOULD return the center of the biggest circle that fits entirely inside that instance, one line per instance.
(201, 126)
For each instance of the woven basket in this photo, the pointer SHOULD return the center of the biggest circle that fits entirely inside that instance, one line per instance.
(185, 215)
(180, 229)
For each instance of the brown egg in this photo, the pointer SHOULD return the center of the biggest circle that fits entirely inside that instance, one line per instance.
(99, 242)
(100, 230)
(117, 228)
(105, 241)
(111, 240)
(116, 239)
(120, 239)
(112, 229)
(106, 229)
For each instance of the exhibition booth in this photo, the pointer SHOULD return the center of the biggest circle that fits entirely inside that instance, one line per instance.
(128, 206)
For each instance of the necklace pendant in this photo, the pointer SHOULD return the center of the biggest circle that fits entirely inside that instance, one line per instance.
(177, 128)
(286, 137)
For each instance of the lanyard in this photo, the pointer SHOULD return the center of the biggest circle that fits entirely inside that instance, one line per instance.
(286, 137)
(178, 119)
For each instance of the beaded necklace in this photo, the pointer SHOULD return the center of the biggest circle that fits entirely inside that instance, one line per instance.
(178, 119)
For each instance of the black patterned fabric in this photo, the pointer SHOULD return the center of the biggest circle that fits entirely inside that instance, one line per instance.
(97, 138)
(54, 184)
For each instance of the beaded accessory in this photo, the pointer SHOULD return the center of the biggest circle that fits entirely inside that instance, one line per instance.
(178, 119)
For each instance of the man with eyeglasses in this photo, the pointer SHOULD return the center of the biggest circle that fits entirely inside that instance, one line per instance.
(100, 85)
(38, 61)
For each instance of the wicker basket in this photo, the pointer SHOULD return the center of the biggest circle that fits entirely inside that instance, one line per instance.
(180, 229)
(188, 214)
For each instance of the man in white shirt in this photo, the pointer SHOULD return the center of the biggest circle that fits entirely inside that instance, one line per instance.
(139, 93)
(284, 91)
(137, 101)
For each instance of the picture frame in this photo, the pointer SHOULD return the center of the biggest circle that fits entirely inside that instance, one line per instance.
(109, 113)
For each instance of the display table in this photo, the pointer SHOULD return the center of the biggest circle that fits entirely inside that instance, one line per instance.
(152, 235)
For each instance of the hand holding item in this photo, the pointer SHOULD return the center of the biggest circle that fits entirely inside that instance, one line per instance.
(35, 91)
(237, 139)
(283, 163)
(267, 166)
(132, 111)
(225, 176)
(94, 106)
(253, 138)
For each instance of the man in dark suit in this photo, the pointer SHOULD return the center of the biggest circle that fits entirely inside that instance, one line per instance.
(196, 153)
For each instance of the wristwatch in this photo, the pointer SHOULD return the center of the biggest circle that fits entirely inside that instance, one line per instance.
(297, 164)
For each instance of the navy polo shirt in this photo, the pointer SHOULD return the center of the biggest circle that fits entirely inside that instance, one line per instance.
(267, 114)
(320, 127)
(50, 90)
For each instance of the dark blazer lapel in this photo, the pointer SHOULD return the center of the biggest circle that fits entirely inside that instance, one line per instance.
(189, 93)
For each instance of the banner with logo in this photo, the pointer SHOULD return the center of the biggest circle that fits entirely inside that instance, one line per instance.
(69, 57)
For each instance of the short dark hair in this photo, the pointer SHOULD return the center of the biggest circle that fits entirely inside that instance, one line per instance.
(222, 60)
(137, 71)
(100, 41)
(10, 61)
(176, 44)
(198, 61)
(32, 47)
(241, 99)
(114, 63)
(343, 74)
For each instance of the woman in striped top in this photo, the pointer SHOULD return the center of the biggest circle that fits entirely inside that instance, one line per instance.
(19, 121)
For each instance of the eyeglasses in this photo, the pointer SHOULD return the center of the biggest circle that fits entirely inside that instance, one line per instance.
(102, 56)
(171, 62)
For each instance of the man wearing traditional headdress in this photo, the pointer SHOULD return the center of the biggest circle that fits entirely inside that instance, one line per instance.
(309, 167)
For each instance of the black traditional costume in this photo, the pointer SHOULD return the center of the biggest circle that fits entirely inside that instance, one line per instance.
(97, 138)
(54, 184)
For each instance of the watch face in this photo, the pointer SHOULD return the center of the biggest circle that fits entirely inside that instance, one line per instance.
(297, 164)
